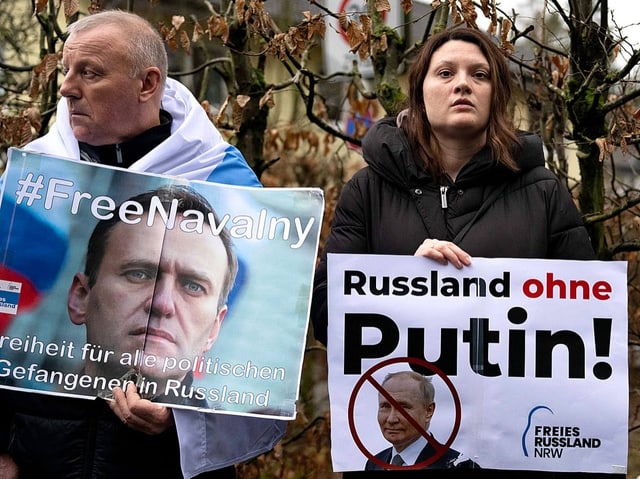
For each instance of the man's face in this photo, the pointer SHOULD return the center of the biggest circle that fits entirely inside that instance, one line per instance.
(170, 310)
(394, 425)
(103, 99)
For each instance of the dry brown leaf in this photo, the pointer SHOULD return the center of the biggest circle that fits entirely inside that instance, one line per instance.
(218, 28)
(383, 6)
(407, 5)
(468, 12)
(236, 115)
(34, 117)
(39, 6)
(291, 140)
(206, 106)
(70, 7)
(185, 43)
(605, 148)
(198, 31)
(505, 45)
(457, 19)
(42, 73)
(240, 11)
(242, 100)
(484, 6)
(343, 21)
(94, 7)
(177, 21)
(222, 112)
(169, 36)
(267, 99)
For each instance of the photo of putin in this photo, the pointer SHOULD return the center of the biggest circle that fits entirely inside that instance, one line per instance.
(413, 404)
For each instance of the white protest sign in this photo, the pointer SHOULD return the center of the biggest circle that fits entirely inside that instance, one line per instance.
(528, 357)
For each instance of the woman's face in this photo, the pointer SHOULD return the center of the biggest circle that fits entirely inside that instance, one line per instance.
(457, 92)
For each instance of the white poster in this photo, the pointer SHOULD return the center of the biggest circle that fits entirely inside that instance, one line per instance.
(528, 359)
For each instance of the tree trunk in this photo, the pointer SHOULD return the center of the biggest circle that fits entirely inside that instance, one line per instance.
(589, 66)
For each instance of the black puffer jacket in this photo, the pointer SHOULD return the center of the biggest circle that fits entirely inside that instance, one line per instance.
(392, 205)
(70, 438)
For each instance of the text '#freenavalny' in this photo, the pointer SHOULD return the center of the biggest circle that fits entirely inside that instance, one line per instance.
(256, 227)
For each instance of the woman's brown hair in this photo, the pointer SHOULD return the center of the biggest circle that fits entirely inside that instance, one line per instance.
(501, 135)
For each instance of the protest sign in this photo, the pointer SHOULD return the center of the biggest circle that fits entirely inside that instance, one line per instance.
(149, 307)
(528, 359)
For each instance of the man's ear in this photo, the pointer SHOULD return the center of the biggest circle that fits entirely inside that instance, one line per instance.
(431, 408)
(215, 328)
(77, 298)
(150, 84)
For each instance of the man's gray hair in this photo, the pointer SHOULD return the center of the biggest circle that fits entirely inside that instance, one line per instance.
(426, 389)
(146, 48)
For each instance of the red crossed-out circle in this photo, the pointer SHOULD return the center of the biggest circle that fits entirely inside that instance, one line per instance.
(368, 376)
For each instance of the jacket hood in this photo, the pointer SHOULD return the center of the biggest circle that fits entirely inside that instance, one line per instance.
(194, 148)
(386, 150)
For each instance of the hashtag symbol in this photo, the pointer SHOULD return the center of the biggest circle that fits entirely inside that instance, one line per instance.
(29, 189)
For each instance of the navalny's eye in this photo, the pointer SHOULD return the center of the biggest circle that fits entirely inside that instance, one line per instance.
(138, 275)
(193, 287)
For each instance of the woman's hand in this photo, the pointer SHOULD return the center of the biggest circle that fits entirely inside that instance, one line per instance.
(444, 252)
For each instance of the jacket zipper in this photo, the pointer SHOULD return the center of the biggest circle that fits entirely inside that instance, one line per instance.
(118, 154)
(443, 196)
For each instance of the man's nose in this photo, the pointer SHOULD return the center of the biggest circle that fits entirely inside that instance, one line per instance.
(393, 415)
(68, 87)
(162, 301)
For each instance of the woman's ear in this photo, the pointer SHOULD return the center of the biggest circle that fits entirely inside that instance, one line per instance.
(77, 298)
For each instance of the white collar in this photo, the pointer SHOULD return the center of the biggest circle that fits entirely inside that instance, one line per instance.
(411, 453)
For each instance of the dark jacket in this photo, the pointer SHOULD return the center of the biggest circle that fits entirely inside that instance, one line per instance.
(451, 459)
(71, 438)
(392, 205)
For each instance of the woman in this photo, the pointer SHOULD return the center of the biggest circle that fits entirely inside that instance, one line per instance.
(451, 178)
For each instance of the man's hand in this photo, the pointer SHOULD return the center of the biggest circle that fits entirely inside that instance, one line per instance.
(8, 468)
(140, 414)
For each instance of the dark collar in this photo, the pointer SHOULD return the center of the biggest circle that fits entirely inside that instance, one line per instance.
(124, 154)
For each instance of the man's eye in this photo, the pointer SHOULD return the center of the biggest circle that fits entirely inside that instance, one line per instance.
(193, 287)
(138, 275)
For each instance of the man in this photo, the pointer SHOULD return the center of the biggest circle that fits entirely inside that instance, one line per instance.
(154, 288)
(120, 109)
(412, 405)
